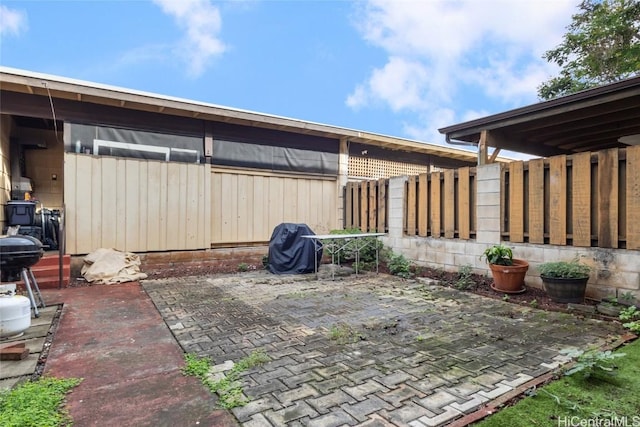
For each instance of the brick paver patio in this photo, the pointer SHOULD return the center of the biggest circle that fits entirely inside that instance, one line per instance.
(403, 352)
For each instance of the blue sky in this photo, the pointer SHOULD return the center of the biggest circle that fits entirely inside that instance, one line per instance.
(400, 68)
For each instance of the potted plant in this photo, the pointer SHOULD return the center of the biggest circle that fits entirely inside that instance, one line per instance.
(508, 272)
(565, 281)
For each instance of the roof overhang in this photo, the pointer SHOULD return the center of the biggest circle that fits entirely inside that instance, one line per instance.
(590, 120)
(58, 87)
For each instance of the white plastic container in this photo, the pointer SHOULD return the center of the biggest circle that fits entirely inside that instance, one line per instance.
(15, 315)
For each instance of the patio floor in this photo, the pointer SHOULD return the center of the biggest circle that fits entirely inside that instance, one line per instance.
(403, 352)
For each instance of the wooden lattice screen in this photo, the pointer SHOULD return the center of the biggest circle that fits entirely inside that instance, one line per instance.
(366, 167)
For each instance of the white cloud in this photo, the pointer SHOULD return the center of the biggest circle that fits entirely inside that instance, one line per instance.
(12, 21)
(202, 24)
(440, 52)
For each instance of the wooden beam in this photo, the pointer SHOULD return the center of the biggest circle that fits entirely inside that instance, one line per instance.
(633, 197)
(482, 148)
(494, 155)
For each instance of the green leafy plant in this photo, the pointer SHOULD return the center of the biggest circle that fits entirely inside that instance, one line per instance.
(592, 363)
(367, 247)
(399, 266)
(534, 303)
(243, 266)
(564, 269)
(228, 388)
(37, 403)
(498, 254)
(465, 278)
(631, 318)
(265, 261)
(505, 298)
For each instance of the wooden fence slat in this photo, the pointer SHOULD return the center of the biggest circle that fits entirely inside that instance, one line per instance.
(372, 206)
(449, 204)
(355, 197)
(464, 213)
(536, 201)
(364, 206)
(423, 204)
(382, 205)
(558, 200)
(633, 197)
(516, 202)
(411, 206)
(348, 208)
(608, 198)
(581, 199)
(435, 204)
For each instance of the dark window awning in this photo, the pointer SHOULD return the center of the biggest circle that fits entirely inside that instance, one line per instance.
(590, 120)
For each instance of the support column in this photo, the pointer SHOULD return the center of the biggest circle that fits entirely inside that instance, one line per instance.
(342, 179)
(488, 204)
(396, 198)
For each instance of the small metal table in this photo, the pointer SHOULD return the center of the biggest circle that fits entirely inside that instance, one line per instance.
(338, 242)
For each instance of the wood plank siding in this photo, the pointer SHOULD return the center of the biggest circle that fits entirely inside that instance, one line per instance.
(247, 205)
(135, 205)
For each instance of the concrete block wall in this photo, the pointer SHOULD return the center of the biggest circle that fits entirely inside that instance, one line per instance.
(615, 271)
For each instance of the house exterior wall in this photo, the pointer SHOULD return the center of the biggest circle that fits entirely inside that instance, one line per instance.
(614, 269)
(42, 165)
(5, 167)
(135, 205)
(248, 204)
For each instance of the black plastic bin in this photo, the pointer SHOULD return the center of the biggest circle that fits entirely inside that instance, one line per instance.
(20, 212)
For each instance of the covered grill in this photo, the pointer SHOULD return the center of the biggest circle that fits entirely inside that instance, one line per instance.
(17, 255)
(18, 252)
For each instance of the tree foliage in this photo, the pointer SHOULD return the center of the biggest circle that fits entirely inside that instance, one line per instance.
(602, 45)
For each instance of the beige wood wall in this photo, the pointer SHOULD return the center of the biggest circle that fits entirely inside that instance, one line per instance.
(135, 205)
(247, 205)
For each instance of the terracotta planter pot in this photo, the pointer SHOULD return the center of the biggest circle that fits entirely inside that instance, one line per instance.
(509, 278)
(565, 290)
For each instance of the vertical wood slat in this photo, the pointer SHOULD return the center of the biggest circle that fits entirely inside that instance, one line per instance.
(411, 205)
(348, 208)
(364, 206)
(558, 200)
(423, 204)
(608, 198)
(449, 204)
(633, 197)
(134, 205)
(464, 214)
(536, 201)
(435, 204)
(373, 211)
(516, 200)
(581, 199)
(382, 205)
(355, 200)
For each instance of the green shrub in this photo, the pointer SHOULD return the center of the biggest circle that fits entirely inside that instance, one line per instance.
(368, 247)
(564, 269)
(399, 266)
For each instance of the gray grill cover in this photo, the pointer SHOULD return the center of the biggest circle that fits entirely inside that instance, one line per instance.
(289, 253)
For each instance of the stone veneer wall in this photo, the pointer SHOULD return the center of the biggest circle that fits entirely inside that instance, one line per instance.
(614, 269)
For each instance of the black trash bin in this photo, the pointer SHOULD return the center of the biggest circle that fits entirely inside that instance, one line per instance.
(289, 253)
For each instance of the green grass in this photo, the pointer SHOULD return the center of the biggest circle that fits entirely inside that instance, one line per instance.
(228, 388)
(36, 403)
(580, 397)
